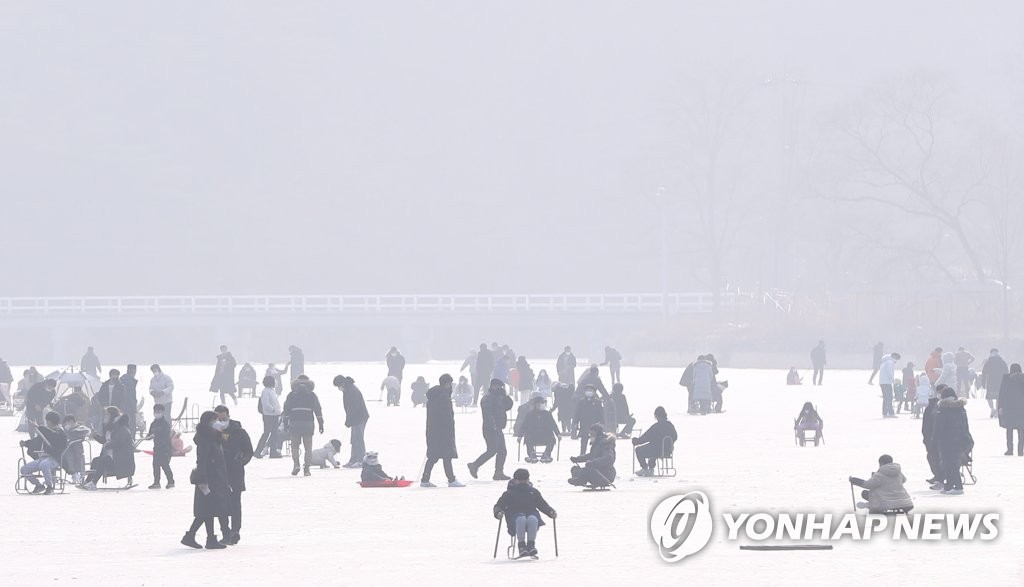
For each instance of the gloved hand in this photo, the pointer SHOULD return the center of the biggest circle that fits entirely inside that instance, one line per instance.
(554, 515)
(635, 441)
(497, 514)
(574, 459)
(321, 429)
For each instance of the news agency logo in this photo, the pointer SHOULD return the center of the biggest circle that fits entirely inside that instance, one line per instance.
(682, 526)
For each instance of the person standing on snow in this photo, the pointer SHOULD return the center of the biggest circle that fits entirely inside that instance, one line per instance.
(396, 363)
(90, 363)
(494, 409)
(1011, 408)
(886, 380)
(992, 373)
(297, 361)
(818, 360)
(484, 369)
(963, 360)
(237, 454)
(613, 359)
(933, 366)
(589, 412)
(224, 376)
(210, 477)
(877, 356)
(161, 387)
(952, 437)
(440, 432)
(565, 366)
(300, 408)
(356, 416)
(270, 408)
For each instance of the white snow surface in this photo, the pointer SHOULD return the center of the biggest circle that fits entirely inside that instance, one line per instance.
(327, 530)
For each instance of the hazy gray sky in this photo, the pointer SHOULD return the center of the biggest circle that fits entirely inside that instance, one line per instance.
(404, 147)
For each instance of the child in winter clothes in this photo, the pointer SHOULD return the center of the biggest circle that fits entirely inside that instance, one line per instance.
(160, 434)
(519, 505)
(322, 456)
(923, 394)
(900, 391)
(372, 471)
(74, 459)
(178, 445)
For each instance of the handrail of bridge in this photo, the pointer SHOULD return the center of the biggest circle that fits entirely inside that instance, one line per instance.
(362, 304)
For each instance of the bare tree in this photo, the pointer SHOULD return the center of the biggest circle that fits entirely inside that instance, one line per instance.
(905, 154)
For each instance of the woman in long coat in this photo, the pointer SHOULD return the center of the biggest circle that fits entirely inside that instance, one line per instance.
(440, 432)
(1011, 408)
(211, 480)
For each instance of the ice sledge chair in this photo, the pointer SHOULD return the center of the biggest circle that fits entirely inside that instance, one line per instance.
(558, 449)
(187, 419)
(967, 470)
(128, 481)
(802, 437)
(663, 466)
(247, 388)
(23, 485)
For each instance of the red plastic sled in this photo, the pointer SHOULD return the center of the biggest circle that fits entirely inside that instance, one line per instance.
(399, 483)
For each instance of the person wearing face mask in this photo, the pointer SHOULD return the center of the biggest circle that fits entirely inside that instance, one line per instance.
(210, 477)
(117, 458)
(53, 440)
(599, 464)
(589, 411)
(539, 429)
(111, 393)
(494, 409)
(237, 454)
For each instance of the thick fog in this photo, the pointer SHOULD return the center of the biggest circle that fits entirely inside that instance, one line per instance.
(819, 149)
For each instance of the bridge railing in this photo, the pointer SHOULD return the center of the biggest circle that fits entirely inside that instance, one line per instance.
(364, 304)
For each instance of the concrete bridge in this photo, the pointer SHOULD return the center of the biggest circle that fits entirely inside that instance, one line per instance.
(334, 327)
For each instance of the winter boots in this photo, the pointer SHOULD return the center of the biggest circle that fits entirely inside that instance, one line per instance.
(190, 541)
(500, 476)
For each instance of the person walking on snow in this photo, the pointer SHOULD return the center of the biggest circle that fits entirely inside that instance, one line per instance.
(440, 432)
(300, 408)
(886, 380)
(818, 360)
(494, 409)
(992, 373)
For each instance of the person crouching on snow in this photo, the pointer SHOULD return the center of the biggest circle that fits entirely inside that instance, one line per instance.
(322, 456)
(519, 505)
(373, 471)
(884, 490)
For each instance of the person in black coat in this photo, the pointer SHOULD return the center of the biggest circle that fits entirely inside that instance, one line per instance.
(565, 404)
(396, 363)
(992, 374)
(538, 428)
(210, 477)
(565, 366)
(519, 506)
(657, 442)
(356, 416)
(494, 409)
(117, 458)
(440, 432)
(224, 376)
(613, 359)
(927, 430)
(160, 433)
(1011, 408)
(37, 399)
(237, 454)
(622, 415)
(300, 408)
(952, 437)
(599, 463)
(589, 411)
(111, 393)
(484, 370)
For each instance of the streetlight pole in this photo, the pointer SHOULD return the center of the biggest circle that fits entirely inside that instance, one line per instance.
(659, 196)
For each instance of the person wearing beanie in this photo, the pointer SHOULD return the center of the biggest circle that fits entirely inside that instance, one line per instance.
(599, 463)
(440, 432)
(589, 411)
(538, 429)
(952, 437)
(521, 505)
(884, 491)
(494, 409)
(657, 442)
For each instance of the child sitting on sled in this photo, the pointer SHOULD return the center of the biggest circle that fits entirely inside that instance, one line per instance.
(372, 472)
(519, 505)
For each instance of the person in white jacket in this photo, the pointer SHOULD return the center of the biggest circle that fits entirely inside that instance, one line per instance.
(947, 374)
(886, 380)
(161, 387)
(270, 408)
(924, 393)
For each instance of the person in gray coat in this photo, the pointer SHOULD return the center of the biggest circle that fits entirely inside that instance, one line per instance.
(992, 373)
(703, 380)
(884, 491)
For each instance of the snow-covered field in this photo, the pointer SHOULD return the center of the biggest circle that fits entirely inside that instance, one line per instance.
(327, 529)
